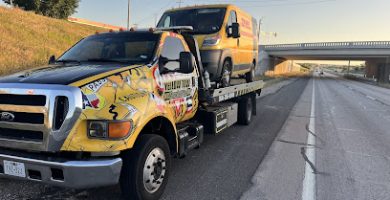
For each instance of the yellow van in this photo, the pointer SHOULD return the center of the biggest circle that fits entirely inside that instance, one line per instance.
(227, 37)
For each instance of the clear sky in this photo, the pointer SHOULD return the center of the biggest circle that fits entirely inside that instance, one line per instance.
(293, 20)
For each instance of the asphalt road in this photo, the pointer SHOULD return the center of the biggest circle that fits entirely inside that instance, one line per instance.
(355, 126)
(220, 169)
(350, 156)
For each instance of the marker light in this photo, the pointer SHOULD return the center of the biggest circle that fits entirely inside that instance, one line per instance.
(212, 41)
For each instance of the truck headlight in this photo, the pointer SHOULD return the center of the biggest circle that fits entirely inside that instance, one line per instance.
(212, 41)
(109, 129)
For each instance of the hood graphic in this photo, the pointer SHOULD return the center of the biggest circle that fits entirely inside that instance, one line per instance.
(60, 74)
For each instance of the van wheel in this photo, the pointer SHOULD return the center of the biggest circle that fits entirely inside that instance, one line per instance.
(146, 168)
(226, 73)
(250, 76)
(245, 109)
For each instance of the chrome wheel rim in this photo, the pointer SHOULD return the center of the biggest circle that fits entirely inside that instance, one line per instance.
(154, 170)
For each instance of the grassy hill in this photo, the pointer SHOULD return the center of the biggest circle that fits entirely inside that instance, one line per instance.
(28, 40)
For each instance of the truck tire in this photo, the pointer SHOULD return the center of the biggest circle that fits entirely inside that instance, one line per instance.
(250, 76)
(245, 109)
(226, 73)
(146, 168)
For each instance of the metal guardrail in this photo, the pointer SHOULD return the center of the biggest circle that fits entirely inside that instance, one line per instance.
(331, 45)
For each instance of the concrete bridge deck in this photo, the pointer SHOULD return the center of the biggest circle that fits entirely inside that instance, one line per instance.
(376, 54)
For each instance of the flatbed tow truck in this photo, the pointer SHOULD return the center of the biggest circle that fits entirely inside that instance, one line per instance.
(85, 122)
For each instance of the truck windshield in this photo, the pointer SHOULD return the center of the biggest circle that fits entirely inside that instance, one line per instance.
(203, 20)
(126, 47)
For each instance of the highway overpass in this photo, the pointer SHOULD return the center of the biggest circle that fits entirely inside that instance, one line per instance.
(375, 53)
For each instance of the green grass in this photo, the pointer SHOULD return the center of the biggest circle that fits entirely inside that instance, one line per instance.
(28, 40)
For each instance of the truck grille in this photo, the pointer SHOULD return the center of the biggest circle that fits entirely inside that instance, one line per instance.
(33, 118)
(29, 100)
(37, 117)
(61, 110)
(22, 135)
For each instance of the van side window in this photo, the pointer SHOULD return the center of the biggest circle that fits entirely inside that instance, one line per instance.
(232, 19)
(171, 50)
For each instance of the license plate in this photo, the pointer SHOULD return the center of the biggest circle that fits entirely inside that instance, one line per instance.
(14, 169)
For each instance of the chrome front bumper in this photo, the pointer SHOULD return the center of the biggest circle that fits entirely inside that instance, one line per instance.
(70, 174)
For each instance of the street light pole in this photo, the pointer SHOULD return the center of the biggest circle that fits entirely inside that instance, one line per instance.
(259, 31)
(128, 15)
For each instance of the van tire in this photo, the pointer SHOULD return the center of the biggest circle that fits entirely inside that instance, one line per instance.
(250, 76)
(226, 73)
(149, 148)
(245, 111)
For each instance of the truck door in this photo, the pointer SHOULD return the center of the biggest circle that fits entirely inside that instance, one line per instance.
(233, 43)
(181, 90)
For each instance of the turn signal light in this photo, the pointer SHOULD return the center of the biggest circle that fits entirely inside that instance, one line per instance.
(118, 129)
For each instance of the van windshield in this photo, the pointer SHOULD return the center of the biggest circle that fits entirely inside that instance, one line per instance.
(203, 20)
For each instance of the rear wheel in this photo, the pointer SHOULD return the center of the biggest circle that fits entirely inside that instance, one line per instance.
(245, 109)
(250, 76)
(146, 168)
(226, 73)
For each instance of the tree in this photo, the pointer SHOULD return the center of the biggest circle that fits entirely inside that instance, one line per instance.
(60, 9)
(25, 4)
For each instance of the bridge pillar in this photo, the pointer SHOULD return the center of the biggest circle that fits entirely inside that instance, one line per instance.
(378, 69)
(265, 62)
(384, 72)
(372, 68)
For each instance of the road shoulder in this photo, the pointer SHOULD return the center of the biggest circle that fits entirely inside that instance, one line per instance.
(274, 87)
(281, 173)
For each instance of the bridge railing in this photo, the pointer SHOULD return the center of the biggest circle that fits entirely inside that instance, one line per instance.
(331, 45)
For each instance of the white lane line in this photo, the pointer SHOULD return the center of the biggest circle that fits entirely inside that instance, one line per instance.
(309, 182)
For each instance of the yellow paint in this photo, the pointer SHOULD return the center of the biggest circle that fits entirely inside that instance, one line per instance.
(135, 94)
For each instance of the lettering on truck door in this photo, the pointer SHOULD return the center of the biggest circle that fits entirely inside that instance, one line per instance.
(181, 90)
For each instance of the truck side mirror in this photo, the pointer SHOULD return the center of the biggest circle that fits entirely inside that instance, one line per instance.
(235, 30)
(186, 62)
(162, 61)
(52, 59)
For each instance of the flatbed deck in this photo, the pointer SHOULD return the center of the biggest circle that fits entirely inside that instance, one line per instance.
(228, 93)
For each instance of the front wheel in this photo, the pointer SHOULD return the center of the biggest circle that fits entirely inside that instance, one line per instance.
(226, 73)
(146, 168)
